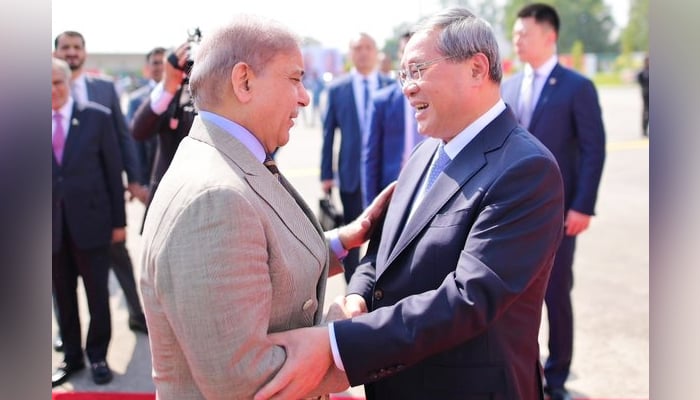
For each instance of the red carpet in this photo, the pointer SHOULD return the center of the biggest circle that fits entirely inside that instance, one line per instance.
(132, 396)
(151, 396)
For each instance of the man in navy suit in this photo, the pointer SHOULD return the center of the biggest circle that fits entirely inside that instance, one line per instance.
(349, 109)
(447, 302)
(146, 149)
(87, 215)
(70, 46)
(564, 114)
(392, 136)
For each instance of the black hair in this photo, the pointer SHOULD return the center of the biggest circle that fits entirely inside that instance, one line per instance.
(542, 13)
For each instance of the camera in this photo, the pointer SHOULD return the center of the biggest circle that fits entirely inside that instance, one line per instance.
(194, 37)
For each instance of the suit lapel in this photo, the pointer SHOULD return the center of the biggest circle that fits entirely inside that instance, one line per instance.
(400, 232)
(282, 201)
(75, 130)
(547, 91)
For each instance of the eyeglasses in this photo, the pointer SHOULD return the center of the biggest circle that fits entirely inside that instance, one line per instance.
(414, 71)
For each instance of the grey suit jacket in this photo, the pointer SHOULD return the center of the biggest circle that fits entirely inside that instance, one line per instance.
(228, 257)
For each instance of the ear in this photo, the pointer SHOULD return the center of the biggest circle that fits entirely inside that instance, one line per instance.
(479, 67)
(241, 75)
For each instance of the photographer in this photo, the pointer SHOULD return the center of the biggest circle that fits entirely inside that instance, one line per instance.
(167, 112)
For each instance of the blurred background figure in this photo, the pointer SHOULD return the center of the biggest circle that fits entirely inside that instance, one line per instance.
(166, 114)
(313, 81)
(70, 46)
(560, 107)
(153, 71)
(392, 135)
(643, 80)
(349, 110)
(386, 66)
(87, 215)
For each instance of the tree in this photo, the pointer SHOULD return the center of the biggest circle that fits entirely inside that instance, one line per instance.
(635, 36)
(589, 21)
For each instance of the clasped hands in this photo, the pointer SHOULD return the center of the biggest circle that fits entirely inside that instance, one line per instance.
(309, 369)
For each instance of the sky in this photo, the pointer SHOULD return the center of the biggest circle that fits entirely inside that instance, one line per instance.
(136, 26)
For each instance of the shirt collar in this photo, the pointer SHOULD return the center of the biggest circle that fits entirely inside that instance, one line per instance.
(545, 69)
(237, 131)
(372, 78)
(469, 133)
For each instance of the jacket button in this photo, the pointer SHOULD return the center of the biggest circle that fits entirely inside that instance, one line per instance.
(378, 294)
(307, 304)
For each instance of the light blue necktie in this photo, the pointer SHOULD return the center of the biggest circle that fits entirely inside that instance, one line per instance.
(439, 164)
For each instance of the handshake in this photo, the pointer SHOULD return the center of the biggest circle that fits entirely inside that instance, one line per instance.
(309, 371)
(344, 307)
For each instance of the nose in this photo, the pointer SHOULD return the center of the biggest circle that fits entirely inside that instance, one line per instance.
(409, 88)
(304, 98)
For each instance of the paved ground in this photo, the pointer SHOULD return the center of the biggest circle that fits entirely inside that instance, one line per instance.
(611, 291)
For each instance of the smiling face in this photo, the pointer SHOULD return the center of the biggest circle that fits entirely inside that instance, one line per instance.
(277, 95)
(443, 95)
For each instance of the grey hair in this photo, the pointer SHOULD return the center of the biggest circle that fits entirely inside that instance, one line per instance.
(251, 39)
(464, 35)
(61, 65)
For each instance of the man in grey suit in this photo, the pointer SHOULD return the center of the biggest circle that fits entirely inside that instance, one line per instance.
(70, 46)
(230, 250)
(560, 108)
(447, 302)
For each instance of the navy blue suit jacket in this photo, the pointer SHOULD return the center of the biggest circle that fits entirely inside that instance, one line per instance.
(145, 148)
(87, 186)
(567, 119)
(102, 91)
(341, 113)
(385, 143)
(456, 292)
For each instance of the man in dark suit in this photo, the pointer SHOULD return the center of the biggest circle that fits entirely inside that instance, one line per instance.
(146, 149)
(447, 302)
(87, 215)
(167, 114)
(392, 136)
(560, 107)
(70, 46)
(349, 109)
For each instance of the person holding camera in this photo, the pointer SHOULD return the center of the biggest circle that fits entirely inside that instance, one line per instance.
(167, 113)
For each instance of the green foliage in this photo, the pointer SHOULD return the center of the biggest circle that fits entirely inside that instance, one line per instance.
(589, 21)
(577, 55)
(635, 36)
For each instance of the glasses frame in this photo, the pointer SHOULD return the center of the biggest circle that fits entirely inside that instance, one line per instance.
(415, 71)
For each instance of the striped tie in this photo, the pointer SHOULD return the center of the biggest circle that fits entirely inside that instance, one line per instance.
(272, 166)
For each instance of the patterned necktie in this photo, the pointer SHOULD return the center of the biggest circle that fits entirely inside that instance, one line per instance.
(58, 140)
(272, 166)
(439, 164)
